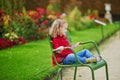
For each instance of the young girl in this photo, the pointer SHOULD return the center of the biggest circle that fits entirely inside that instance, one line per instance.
(63, 49)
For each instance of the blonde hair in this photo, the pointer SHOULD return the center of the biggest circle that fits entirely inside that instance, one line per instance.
(56, 28)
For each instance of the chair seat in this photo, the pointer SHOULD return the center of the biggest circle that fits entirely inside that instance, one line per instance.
(94, 66)
(97, 65)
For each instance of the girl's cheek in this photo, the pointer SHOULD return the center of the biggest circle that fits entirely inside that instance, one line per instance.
(65, 31)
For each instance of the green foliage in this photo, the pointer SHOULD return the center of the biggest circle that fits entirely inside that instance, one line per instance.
(8, 7)
(2, 30)
(55, 6)
(78, 22)
(1, 4)
(50, 7)
(30, 29)
(11, 6)
(89, 12)
(73, 19)
(82, 24)
(74, 25)
(75, 14)
(26, 28)
(87, 23)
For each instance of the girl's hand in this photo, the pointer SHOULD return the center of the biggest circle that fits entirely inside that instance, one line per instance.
(59, 49)
(67, 47)
(76, 45)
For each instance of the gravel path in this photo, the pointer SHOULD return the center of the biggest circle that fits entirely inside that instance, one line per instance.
(110, 51)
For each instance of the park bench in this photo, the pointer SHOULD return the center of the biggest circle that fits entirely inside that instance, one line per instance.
(92, 66)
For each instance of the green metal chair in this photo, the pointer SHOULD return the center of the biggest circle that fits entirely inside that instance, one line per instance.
(92, 66)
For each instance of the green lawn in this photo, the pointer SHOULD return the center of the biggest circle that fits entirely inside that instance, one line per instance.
(32, 61)
(24, 61)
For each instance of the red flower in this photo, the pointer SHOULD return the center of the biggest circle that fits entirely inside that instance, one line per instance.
(58, 15)
(19, 40)
(20, 13)
(36, 15)
(4, 43)
(1, 20)
(1, 13)
(9, 43)
(92, 16)
(32, 38)
(22, 40)
(45, 22)
(40, 10)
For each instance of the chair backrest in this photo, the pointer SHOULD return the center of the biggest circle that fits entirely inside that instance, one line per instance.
(68, 37)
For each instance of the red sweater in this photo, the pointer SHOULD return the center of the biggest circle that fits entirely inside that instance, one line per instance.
(60, 41)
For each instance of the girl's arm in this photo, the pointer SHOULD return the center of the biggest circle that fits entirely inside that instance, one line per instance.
(60, 49)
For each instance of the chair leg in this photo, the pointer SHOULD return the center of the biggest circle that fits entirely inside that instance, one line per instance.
(107, 76)
(93, 75)
(75, 73)
(61, 75)
(58, 73)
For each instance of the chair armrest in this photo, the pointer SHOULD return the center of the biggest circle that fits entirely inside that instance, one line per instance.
(92, 42)
(87, 42)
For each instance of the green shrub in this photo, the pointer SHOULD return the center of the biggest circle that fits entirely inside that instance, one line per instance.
(78, 22)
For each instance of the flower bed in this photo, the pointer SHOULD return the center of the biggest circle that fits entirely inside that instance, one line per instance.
(24, 26)
(6, 43)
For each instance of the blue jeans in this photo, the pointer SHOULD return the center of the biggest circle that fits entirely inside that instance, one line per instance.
(82, 55)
